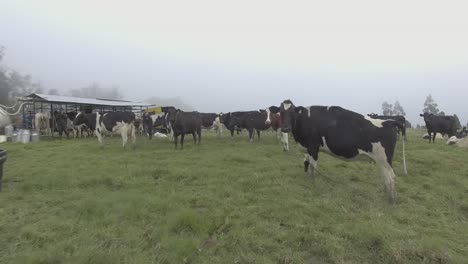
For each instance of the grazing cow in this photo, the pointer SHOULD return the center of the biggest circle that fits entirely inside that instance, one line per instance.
(160, 125)
(77, 130)
(231, 121)
(400, 119)
(274, 118)
(151, 121)
(42, 122)
(212, 121)
(166, 122)
(439, 124)
(122, 122)
(252, 121)
(344, 134)
(183, 123)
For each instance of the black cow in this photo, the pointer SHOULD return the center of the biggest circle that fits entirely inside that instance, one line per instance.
(400, 119)
(183, 123)
(212, 121)
(439, 124)
(231, 121)
(147, 122)
(344, 134)
(109, 122)
(61, 123)
(253, 121)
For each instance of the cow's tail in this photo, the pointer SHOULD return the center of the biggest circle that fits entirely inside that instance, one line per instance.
(402, 128)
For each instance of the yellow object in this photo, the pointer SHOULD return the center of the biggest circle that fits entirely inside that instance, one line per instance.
(154, 110)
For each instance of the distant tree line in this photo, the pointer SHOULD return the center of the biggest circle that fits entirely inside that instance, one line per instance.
(430, 106)
(14, 84)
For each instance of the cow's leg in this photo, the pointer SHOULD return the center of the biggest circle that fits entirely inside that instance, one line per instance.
(311, 157)
(97, 132)
(379, 155)
(124, 134)
(182, 141)
(194, 135)
(433, 137)
(258, 134)
(232, 133)
(389, 180)
(199, 136)
(251, 134)
(176, 139)
(132, 134)
(284, 141)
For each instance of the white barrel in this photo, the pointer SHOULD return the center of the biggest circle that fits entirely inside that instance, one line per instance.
(9, 130)
(18, 135)
(34, 136)
(26, 136)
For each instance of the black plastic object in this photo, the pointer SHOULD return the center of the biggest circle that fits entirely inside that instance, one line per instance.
(3, 157)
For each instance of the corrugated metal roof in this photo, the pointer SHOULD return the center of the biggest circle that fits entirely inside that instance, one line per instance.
(86, 101)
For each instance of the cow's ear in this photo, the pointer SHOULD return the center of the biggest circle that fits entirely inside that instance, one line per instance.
(274, 109)
(421, 115)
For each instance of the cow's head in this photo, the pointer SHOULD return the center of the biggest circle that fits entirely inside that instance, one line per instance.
(80, 119)
(269, 113)
(427, 116)
(171, 115)
(288, 115)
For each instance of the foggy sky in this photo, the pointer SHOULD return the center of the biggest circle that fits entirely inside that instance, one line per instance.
(222, 57)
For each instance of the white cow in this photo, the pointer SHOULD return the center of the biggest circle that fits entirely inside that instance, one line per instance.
(42, 122)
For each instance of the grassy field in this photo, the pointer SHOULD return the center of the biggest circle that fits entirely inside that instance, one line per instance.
(70, 201)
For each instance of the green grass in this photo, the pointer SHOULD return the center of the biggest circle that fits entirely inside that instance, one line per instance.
(70, 201)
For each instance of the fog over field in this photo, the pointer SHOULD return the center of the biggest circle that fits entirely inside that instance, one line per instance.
(244, 55)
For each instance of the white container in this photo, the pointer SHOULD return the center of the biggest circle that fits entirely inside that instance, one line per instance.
(19, 133)
(26, 136)
(35, 136)
(9, 130)
(3, 138)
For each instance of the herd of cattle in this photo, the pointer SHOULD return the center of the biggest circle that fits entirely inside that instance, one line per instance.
(335, 130)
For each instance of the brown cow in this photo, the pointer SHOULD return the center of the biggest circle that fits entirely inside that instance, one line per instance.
(274, 119)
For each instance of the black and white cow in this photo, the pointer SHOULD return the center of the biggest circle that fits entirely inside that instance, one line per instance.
(231, 121)
(183, 123)
(212, 121)
(344, 134)
(439, 124)
(274, 118)
(151, 122)
(166, 122)
(252, 121)
(400, 119)
(122, 122)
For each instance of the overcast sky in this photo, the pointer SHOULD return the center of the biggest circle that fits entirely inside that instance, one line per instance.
(244, 55)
